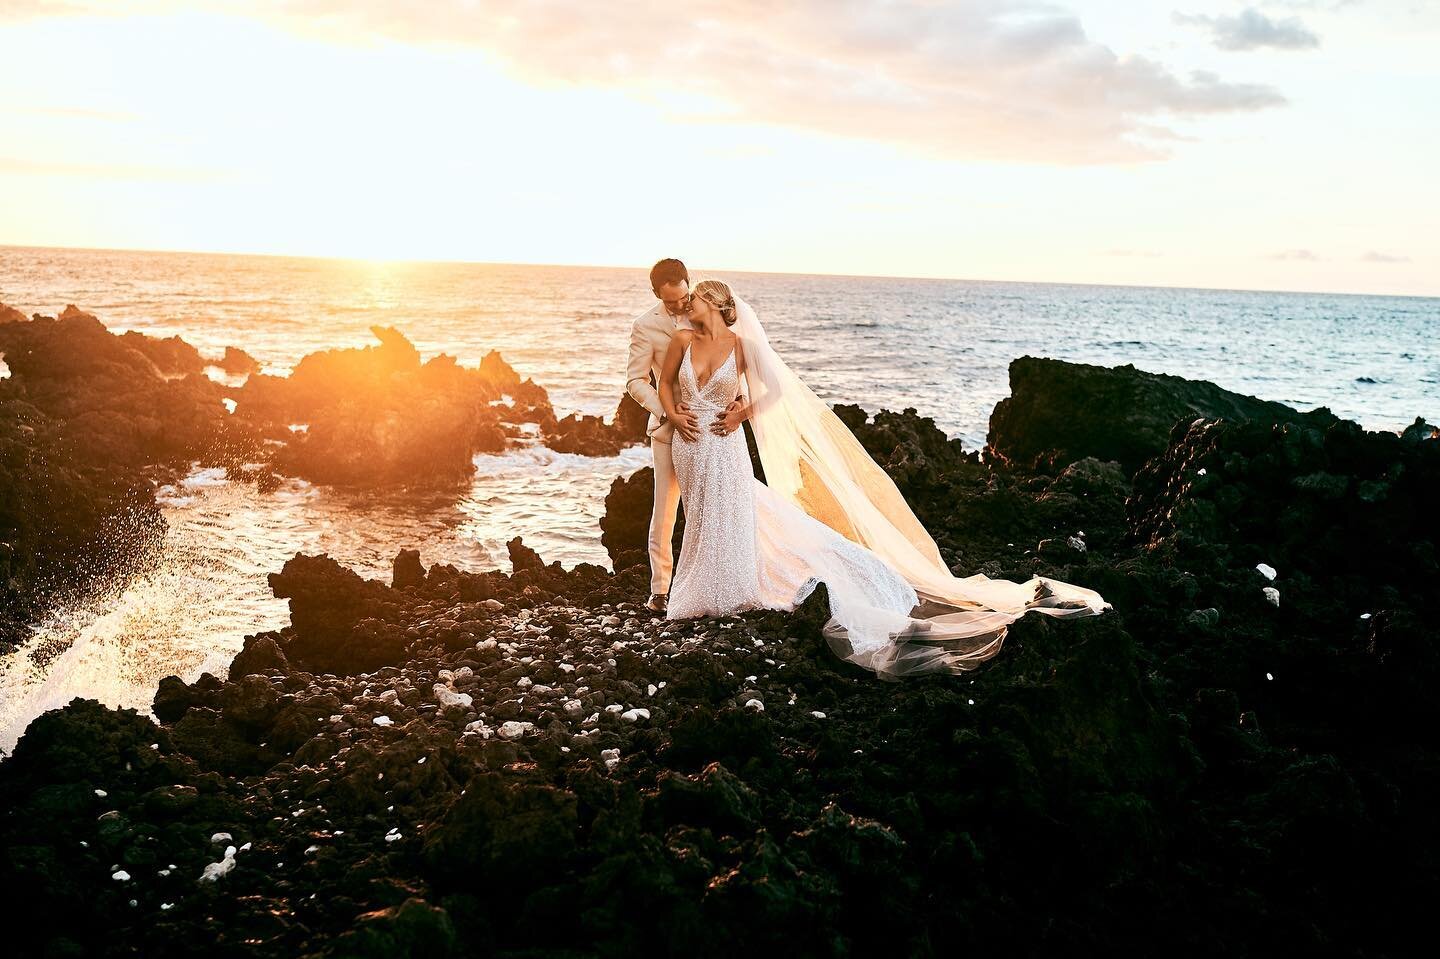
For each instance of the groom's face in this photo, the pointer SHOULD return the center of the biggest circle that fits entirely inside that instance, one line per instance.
(675, 296)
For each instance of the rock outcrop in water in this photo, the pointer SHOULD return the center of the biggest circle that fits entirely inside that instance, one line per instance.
(370, 415)
(8, 314)
(1060, 412)
(593, 436)
(112, 402)
(528, 764)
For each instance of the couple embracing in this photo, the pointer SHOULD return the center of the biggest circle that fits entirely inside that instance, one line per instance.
(826, 513)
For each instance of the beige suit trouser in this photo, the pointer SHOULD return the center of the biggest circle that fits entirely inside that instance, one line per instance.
(662, 518)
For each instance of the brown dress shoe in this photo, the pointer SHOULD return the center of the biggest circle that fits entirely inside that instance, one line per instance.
(657, 603)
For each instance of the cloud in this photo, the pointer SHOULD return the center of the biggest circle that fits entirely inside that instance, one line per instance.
(1311, 4)
(1376, 257)
(1145, 253)
(108, 171)
(1306, 255)
(26, 9)
(1252, 30)
(75, 113)
(1015, 80)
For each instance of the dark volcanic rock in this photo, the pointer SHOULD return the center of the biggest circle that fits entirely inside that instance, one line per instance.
(625, 526)
(113, 404)
(237, 361)
(341, 623)
(172, 356)
(65, 520)
(592, 436)
(531, 764)
(407, 570)
(1061, 412)
(372, 415)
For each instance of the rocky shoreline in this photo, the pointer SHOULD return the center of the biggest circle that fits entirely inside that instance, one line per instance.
(92, 423)
(1240, 758)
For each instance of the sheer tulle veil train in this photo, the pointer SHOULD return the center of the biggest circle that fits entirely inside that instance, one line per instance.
(812, 460)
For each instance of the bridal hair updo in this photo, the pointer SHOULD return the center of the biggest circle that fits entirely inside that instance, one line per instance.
(718, 295)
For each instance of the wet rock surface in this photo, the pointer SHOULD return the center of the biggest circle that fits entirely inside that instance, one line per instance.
(530, 764)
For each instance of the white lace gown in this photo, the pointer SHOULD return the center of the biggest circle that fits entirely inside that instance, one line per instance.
(746, 548)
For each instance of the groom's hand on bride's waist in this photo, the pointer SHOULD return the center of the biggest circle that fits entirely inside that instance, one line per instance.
(730, 420)
(685, 423)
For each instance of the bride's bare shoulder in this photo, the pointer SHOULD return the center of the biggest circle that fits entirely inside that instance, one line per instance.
(680, 340)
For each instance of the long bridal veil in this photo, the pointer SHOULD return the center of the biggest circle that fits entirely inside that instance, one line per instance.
(812, 460)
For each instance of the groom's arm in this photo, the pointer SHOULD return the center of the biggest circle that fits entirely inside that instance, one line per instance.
(637, 374)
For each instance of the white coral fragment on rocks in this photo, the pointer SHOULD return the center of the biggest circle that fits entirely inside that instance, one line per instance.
(446, 696)
(478, 727)
(220, 837)
(511, 729)
(1266, 570)
(755, 704)
(383, 721)
(611, 757)
(217, 869)
(817, 714)
(1273, 595)
(635, 714)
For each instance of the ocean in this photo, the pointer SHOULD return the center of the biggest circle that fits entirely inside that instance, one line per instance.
(939, 346)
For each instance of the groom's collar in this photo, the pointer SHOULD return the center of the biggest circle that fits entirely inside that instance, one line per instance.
(681, 322)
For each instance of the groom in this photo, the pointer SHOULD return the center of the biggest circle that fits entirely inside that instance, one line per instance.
(649, 341)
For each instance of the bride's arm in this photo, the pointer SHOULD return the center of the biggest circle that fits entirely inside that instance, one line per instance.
(742, 368)
(684, 421)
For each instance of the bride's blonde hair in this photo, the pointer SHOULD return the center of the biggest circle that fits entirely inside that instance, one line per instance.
(718, 295)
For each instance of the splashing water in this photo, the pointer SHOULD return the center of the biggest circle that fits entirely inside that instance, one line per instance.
(191, 610)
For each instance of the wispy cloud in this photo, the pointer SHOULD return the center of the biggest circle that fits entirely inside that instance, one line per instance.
(1375, 256)
(1252, 30)
(107, 171)
(1306, 255)
(74, 113)
(979, 79)
(26, 9)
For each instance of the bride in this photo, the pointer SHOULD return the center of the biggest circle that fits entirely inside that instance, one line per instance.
(827, 513)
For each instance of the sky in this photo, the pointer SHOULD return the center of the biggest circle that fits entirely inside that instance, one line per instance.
(1274, 144)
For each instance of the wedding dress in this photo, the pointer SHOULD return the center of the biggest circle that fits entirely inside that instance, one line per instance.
(746, 548)
(827, 513)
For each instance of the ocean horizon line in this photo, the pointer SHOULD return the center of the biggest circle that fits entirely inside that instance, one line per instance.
(741, 272)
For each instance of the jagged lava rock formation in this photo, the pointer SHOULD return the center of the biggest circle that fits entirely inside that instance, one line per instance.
(1241, 757)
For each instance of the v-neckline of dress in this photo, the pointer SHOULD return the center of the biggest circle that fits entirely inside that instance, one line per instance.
(690, 358)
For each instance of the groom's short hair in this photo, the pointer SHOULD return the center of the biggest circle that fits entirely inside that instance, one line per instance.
(668, 271)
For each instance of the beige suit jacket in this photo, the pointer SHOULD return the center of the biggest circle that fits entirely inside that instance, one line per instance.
(649, 341)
